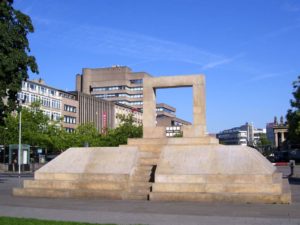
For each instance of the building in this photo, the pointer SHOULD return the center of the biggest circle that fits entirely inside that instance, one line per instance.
(277, 132)
(58, 105)
(120, 85)
(126, 110)
(117, 84)
(244, 135)
(97, 111)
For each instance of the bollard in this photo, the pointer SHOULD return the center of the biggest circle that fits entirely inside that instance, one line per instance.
(292, 165)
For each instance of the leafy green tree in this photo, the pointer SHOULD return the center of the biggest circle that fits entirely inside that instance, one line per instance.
(14, 55)
(263, 141)
(293, 115)
(127, 129)
(86, 134)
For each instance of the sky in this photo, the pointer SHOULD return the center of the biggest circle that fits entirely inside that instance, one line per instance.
(248, 50)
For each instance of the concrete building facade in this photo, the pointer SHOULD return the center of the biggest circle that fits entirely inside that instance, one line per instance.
(120, 85)
(58, 105)
(244, 135)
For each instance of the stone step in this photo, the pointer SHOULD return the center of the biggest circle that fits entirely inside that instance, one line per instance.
(72, 185)
(81, 176)
(143, 168)
(220, 197)
(59, 193)
(140, 178)
(149, 154)
(139, 191)
(139, 184)
(133, 196)
(173, 141)
(148, 161)
(217, 188)
(142, 173)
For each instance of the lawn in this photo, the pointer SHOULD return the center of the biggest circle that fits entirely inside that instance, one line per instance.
(23, 221)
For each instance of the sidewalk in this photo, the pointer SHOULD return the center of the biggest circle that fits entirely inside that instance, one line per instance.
(145, 212)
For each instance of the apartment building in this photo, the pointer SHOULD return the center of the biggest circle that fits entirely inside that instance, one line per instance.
(121, 109)
(58, 105)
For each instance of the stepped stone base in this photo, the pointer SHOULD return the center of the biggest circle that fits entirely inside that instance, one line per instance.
(84, 173)
(187, 169)
(217, 173)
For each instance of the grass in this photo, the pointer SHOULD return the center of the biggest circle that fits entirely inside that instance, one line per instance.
(23, 221)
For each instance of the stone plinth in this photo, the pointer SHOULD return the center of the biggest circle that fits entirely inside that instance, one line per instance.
(217, 173)
(84, 172)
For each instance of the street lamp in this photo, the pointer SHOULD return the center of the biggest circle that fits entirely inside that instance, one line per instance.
(20, 100)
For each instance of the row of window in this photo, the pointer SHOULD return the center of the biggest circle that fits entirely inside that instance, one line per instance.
(70, 130)
(113, 88)
(40, 89)
(53, 115)
(130, 103)
(46, 102)
(118, 95)
(70, 108)
(160, 109)
(70, 119)
(139, 81)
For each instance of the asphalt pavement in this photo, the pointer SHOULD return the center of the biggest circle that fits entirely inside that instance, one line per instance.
(147, 212)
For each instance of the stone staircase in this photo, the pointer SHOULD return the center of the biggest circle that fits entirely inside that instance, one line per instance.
(140, 182)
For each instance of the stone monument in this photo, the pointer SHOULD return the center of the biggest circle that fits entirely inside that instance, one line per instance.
(192, 168)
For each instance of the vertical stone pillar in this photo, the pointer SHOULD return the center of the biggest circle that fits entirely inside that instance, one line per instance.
(282, 136)
(276, 139)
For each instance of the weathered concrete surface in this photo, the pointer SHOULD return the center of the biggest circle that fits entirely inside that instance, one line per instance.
(197, 82)
(217, 173)
(84, 172)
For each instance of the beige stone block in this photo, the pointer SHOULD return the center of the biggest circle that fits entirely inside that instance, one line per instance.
(220, 197)
(72, 185)
(82, 177)
(177, 187)
(55, 193)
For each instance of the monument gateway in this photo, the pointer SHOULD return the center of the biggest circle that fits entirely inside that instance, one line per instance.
(192, 168)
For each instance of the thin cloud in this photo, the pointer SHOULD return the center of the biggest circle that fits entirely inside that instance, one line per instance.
(221, 62)
(103, 40)
(267, 76)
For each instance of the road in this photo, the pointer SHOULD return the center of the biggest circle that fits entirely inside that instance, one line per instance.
(146, 212)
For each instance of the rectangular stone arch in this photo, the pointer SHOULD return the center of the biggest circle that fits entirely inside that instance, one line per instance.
(197, 82)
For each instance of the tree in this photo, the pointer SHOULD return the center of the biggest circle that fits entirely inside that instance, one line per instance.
(293, 115)
(14, 58)
(127, 129)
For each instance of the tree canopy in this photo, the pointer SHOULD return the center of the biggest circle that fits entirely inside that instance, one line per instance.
(14, 55)
(293, 115)
(38, 130)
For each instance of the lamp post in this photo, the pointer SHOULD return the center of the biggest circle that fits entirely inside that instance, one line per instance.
(20, 139)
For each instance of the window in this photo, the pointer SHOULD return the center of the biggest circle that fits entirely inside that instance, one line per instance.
(70, 130)
(70, 119)
(70, 108)
(55, 104)
(55, 116)
(139, 81)
(32, 87)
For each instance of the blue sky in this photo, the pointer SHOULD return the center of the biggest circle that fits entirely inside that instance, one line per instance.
(248, 50)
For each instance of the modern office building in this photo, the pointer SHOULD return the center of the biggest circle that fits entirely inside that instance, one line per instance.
(244, 135)
(120, 85)
(117, 84)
